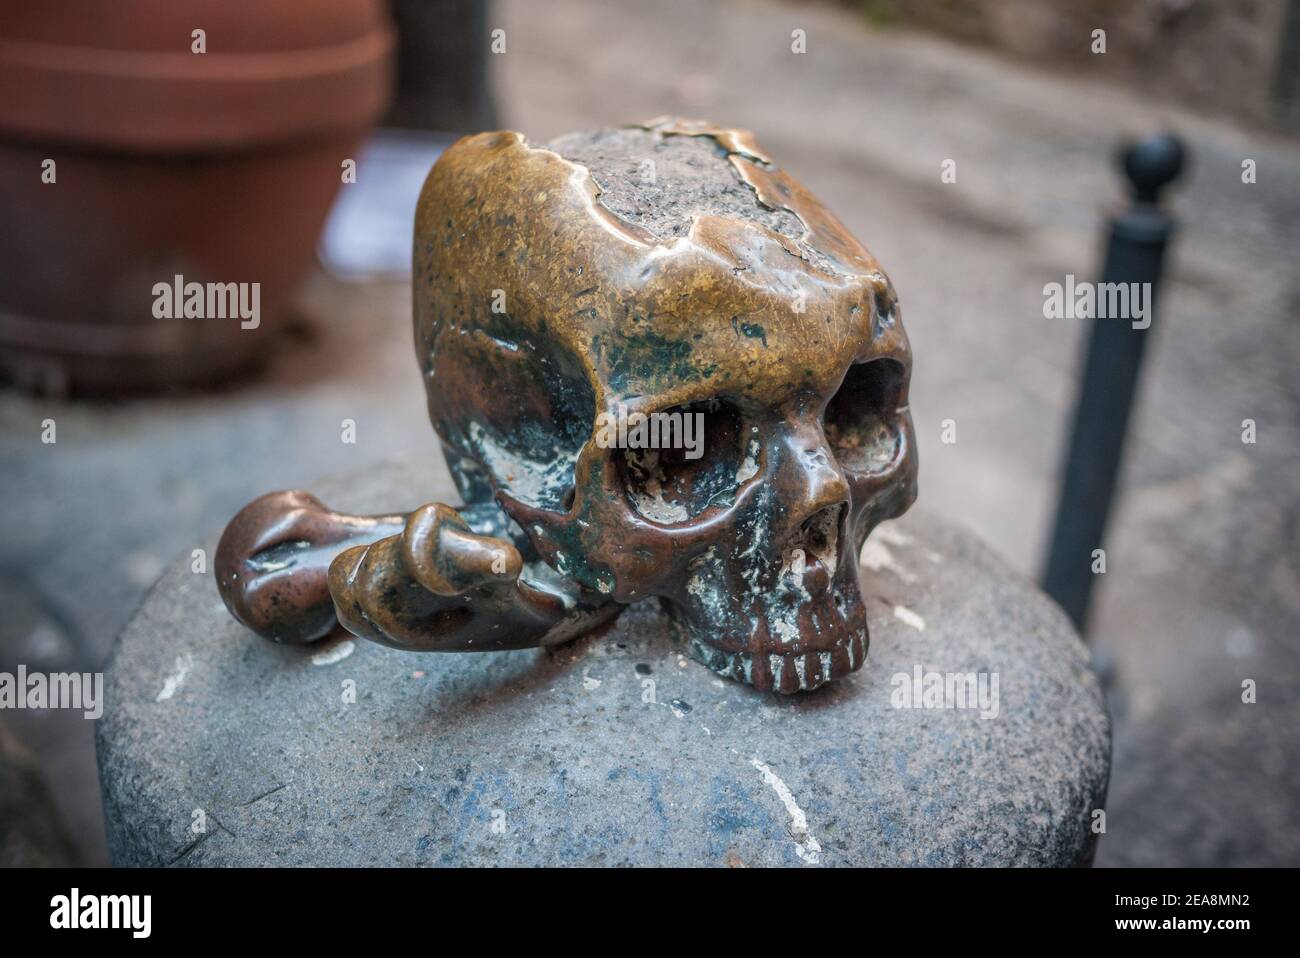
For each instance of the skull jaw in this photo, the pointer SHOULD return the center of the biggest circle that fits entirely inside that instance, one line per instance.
(776, 644)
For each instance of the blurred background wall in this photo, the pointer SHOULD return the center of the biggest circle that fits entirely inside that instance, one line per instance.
(1233, 58)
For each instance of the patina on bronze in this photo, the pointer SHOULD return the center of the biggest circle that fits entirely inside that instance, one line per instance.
(666, 268)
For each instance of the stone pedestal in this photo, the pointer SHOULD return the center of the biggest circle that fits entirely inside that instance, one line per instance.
(218, 748)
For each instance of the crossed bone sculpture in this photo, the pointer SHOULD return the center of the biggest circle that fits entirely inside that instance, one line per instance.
(670, 268)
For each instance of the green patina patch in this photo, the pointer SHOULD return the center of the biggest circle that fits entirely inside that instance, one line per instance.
(571, 552)
(646, 359)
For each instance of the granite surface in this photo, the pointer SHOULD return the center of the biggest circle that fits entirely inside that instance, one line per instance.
(218, 748)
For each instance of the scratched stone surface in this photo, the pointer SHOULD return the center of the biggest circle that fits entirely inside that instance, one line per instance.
(563, 756)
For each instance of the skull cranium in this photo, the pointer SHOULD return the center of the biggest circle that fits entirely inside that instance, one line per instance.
(554, 285)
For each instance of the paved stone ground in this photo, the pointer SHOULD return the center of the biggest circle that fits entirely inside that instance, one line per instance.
(1203, 587)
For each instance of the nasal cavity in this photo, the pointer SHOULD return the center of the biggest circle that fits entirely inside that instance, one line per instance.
(820, 533)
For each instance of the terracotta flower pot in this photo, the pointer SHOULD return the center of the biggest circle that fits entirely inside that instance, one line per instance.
(217, 166)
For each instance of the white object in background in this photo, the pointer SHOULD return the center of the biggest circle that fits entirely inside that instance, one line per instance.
(368, 233)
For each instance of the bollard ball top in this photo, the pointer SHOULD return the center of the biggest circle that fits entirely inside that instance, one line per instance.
(1151, 164)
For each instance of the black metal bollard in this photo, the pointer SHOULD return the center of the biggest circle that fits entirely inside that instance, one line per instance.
(1138, 238)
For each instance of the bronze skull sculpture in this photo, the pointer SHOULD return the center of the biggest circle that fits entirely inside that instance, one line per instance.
(668, 268)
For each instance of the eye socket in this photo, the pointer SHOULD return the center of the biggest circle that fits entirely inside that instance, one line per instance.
(699, 463)
(538, 419)
(861, 419)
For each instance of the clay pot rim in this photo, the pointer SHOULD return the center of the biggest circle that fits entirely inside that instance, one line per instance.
(181, 101)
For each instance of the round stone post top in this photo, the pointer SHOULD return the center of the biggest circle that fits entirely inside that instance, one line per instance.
(975, 734)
